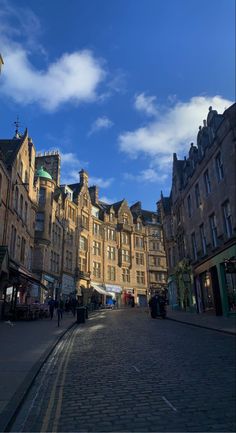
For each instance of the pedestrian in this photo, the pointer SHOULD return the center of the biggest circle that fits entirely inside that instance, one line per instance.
(154, 305)
(51, 304)
(60, 308)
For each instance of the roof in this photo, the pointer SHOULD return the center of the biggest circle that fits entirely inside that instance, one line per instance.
(76, 188)
(9, 149)
(41, 172)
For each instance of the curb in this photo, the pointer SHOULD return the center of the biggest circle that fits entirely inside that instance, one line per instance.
(8, 415)
(224, 331)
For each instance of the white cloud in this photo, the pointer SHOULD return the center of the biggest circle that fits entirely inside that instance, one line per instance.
(145, 104)
(148, 175)
(102, 183)
(172, 131)
(107, 200)
(100, 123)
(73, 77)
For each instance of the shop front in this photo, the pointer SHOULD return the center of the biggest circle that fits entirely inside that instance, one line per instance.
(116, 291)
(22, 295)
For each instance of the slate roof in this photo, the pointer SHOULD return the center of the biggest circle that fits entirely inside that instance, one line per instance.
(9, 150)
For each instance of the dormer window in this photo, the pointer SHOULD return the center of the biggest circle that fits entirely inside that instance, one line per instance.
(111, 217)
(139, 226)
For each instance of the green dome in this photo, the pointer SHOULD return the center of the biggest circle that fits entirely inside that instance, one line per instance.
(43, 173)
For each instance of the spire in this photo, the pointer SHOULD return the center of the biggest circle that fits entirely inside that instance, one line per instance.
(17, 124)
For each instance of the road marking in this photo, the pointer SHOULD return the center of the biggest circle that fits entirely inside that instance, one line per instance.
(169, 403)
(136, 368)
(51, 403)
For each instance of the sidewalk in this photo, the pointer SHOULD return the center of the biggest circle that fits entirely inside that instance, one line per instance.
(24, 347)
(204, 320)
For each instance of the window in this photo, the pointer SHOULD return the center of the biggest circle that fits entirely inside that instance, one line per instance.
(85, 222)
(95, 212)
(21, 206)
(97, 269)
(156, 234)
(189, 206)
(13, 241)
(96, 229)
(155, 246)
(22, 250)
(111, 273)
(203, 239)
(16, 199)
(125, 255)
(71, 212)
(139, 242)
(154, 261)
(125, 218)
(83, 243)
(50, 225)
(197, 195)
(140, 277)
(69, 260)
(139, 259)
(207, 182)
(111, 217)
(26, 212)
(125, 275)
(219, 167)
(21, 169)
(82, 264)
(111, 234)
(96, 248)
(39, 222)
(138, 226)
(194, 246)
(26, 178)
(111, 253)
(0, 188)
(124, 238)
(85, 200)
(212, 220)
(42, 196)
(227, 219)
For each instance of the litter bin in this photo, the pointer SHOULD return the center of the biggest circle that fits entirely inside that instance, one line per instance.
(81, 314)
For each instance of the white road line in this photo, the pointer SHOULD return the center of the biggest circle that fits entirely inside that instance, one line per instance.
(169, 404)
(136, 368)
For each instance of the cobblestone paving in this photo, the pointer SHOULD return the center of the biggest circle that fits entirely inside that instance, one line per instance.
(125, 372)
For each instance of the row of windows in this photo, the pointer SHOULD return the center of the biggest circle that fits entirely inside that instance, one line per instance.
(19, 205)
(207, 183)
(69, 260)
(17, 242)
(226, 212)
(157, 277)
(111, 273)
(54, 262)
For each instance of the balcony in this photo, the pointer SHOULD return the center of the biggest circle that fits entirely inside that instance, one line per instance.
(82, 275)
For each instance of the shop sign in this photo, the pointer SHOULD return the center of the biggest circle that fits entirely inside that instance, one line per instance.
(68, 285)
(112, 288)
(48, 278)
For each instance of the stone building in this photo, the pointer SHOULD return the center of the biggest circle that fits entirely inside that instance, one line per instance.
(61, 240)
(199, 220)
(18, 205)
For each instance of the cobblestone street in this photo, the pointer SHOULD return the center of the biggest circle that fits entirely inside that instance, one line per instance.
(123, 371)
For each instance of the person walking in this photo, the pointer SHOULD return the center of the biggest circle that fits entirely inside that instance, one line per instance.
(154, 305)
(51, 304)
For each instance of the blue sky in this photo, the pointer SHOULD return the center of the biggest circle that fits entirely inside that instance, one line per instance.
(116, 85)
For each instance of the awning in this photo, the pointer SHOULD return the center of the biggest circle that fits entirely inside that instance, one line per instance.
(113, 288)
(24, 273)
(99, 288)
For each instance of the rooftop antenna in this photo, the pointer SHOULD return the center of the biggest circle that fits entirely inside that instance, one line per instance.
(17, 124)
